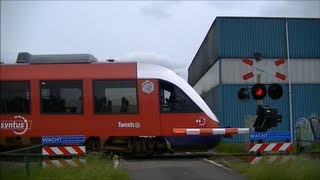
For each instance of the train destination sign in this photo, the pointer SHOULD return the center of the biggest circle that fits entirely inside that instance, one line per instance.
(74, 139)
(270, 136)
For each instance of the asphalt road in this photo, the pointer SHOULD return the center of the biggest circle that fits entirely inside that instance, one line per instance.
(178, 168)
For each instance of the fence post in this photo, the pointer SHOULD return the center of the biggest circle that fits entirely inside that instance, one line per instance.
(27, 162)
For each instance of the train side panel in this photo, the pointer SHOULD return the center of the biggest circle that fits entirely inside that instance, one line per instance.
(149, 115)
(25, 128)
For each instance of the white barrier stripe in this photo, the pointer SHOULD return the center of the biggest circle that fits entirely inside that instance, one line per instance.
(71, 150)
(255, 147)
(284, 147)
(71, 163)
(83, 161)
(192, 131)
(56, 163)
(243, 130)
(272, 158)
(56, 150)
(270, 147)
(286, 158)
(256, 160)
(83, 148)
(44, 164)
(44, 152)
(219, 131)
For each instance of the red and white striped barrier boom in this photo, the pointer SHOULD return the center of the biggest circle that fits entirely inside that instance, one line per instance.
(63, 150)
(210, 131)
(267, 147)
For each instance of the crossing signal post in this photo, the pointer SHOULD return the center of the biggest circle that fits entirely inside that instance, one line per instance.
(259, 92)
(243, 94)
(267, 117)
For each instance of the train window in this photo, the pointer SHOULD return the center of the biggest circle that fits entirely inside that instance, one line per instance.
(174, 100)
(15, 97)
(61, 97)
(115, 96)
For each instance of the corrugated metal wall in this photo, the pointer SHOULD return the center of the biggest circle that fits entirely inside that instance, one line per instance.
(241, 37)
(231, 111)
(305, 71)
(306, 100)
(209, 80)
(205, 57)
(304, 38)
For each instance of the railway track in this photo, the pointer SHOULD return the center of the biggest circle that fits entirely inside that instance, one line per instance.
(37, 158)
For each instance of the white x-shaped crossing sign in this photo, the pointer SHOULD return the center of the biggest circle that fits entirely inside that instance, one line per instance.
(259, 68)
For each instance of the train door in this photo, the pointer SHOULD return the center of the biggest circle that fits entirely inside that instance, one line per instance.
(149, 115)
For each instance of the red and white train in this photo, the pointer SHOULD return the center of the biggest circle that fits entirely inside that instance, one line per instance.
(124, 107)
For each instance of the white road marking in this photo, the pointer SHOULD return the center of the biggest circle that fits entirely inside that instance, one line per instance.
(217, 164)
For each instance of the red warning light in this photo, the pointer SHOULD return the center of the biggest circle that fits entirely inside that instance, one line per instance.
(258, 91)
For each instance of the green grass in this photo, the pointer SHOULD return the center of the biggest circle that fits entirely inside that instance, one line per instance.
(232, 148)
(315, 147)
(96, 167)
(296, 169)
(243, 148)
(302, 167)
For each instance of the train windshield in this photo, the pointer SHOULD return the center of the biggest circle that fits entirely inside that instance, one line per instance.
(174, 100)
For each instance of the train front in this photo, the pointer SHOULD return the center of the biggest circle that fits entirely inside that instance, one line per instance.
(187, 122)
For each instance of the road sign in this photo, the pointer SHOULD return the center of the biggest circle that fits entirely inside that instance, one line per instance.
(76, 139)
(255, 136)
(259, 68)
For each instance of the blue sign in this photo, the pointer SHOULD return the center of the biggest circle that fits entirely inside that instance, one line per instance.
(78, 139)
(270, 136)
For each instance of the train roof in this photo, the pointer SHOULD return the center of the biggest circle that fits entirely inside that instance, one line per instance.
(25, 57)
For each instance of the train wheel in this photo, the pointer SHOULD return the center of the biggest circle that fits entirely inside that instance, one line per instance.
(93, 144)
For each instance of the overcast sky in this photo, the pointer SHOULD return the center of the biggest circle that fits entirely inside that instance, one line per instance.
(167, 33)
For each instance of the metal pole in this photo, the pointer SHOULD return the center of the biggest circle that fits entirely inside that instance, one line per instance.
(259, 102)
(27, 162)
(289, 79)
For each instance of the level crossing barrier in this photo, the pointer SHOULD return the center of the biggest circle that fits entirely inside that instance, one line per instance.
(63, 151)
(63, 156)
(281, 150)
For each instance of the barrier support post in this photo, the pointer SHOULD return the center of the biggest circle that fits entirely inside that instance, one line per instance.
(27, 162)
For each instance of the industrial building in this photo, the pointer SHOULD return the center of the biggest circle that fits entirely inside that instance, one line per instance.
(217, 70)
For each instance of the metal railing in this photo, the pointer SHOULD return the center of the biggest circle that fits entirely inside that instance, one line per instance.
(315, 128)
(307, 133)
(26, 153)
